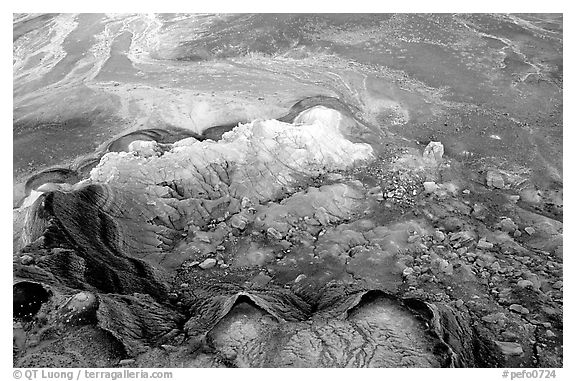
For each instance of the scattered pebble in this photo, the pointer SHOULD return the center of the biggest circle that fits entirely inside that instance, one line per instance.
(530, 230)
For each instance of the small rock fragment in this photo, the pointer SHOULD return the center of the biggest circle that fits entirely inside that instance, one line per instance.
(484, 244)
(518, 308)
(494, 180)
(507, 225)
(479, 211)
(495, 318)
(207, 264)
(273, 233)
(430, 186)
(439, 236)
(300, 278)
(509, 349)
(433, 151)
(238, 221)
(525, 283)
(530, 230)
(558, 285)
(261, 279)
(408, 271)
(26, 260)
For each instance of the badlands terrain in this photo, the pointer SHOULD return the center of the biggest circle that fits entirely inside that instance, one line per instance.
(287, 190)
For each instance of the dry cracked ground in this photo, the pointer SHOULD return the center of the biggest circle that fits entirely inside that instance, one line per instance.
(288, 190)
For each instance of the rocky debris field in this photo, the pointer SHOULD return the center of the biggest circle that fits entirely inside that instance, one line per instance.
(379, 219)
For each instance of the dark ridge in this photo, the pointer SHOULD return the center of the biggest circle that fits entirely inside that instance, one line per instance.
(368, 298)
(317, 100)
(27, 298)
(156, 134)
(86, 165)
(122, 143)
(52, 175)
(215, 133)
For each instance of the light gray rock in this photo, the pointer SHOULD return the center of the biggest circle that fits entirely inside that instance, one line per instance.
(498, 317)
(430, 186)
(433, 152)
(495, 180)
(408, 271)
(439, 236)
(525, 283)
(238, 221)
(518, 308)
(484, 244)
(507, 225)
(273, 233)
(509, 349)
(207, 263)
(558, 285)
(26, 260)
